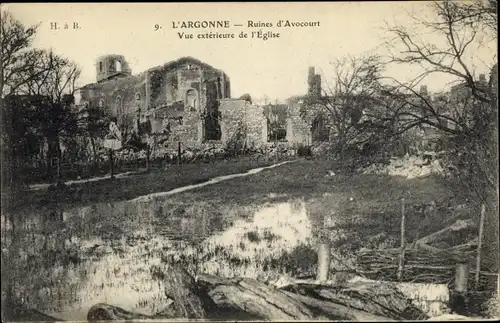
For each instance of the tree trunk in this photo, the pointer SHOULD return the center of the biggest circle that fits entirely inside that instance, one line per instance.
(105, 312)
(254, 298)
(189, 301)
(362, 299)
(59, 156)
(12, 166)
(52, 150)
(336, 311)
(446, 232)
(341, 147)
(213, 297)
(349, 300)
(111, 164)
(148, 151)
(491, 256)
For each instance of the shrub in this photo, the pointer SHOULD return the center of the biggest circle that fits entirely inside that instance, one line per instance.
(304, 151)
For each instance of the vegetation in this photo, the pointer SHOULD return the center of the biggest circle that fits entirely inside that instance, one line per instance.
(472, 127)
(372, 113)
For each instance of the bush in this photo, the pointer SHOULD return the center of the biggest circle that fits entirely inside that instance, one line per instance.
(304, 151)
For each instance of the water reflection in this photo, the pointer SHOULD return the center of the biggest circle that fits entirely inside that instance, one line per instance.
(63, 264)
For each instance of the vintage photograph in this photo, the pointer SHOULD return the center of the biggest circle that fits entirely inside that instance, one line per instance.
(246, 161)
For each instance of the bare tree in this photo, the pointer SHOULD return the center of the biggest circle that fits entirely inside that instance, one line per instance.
(349, 95)
(55, 82)
(45, 81)
(458, 29)
(17, 59)
(53, 77)
(264, 100)
(483, 12)
(455, 37)
(16, 64)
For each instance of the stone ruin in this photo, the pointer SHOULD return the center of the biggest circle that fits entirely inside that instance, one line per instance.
(190, 102)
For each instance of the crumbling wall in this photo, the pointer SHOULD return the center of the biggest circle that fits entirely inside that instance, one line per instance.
(314, 83)
(175, 99)
(130, 92)
(239, 116)
(300, 124)
(111, 66)
(256, 126)
(179, 98)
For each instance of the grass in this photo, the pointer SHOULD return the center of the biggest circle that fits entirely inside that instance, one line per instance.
(119, 189)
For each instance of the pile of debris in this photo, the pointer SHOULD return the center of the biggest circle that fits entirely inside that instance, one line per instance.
(321, 149)
(408, 166)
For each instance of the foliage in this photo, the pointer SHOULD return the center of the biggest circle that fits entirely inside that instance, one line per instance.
(18, 58)
(37, 98)
(352, 93)
(304, 151)
(94, 120)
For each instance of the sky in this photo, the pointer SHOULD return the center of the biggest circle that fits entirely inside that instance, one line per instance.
(276, 68)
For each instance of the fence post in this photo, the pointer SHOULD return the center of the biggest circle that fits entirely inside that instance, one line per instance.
(213, 151)
(147, 157)
(479, 245)
(111, 164)
(459, 297)
(461, 277)
(323, 262)
(402, 253)
(179, 154)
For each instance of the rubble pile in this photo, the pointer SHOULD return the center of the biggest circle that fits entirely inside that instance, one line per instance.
(321, 149)
(408, 166)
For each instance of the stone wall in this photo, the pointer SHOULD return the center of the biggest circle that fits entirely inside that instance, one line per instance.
(241, 116)
(119, 97)
(299, 129)
(256, 126)
(301, 119)
(111, 66)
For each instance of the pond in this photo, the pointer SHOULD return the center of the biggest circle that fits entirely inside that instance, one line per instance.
(62, 263)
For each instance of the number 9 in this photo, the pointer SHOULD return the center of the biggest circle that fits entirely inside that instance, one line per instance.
(157, 27)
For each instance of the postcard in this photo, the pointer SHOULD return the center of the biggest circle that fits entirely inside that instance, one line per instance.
(255, 161)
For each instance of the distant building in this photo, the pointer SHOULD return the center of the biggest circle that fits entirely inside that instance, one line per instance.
(461, 92)
(314, 83)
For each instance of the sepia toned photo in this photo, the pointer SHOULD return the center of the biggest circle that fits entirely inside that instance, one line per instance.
(245, 161)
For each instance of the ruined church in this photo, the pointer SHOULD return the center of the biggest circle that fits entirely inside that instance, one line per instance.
(189, 101)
